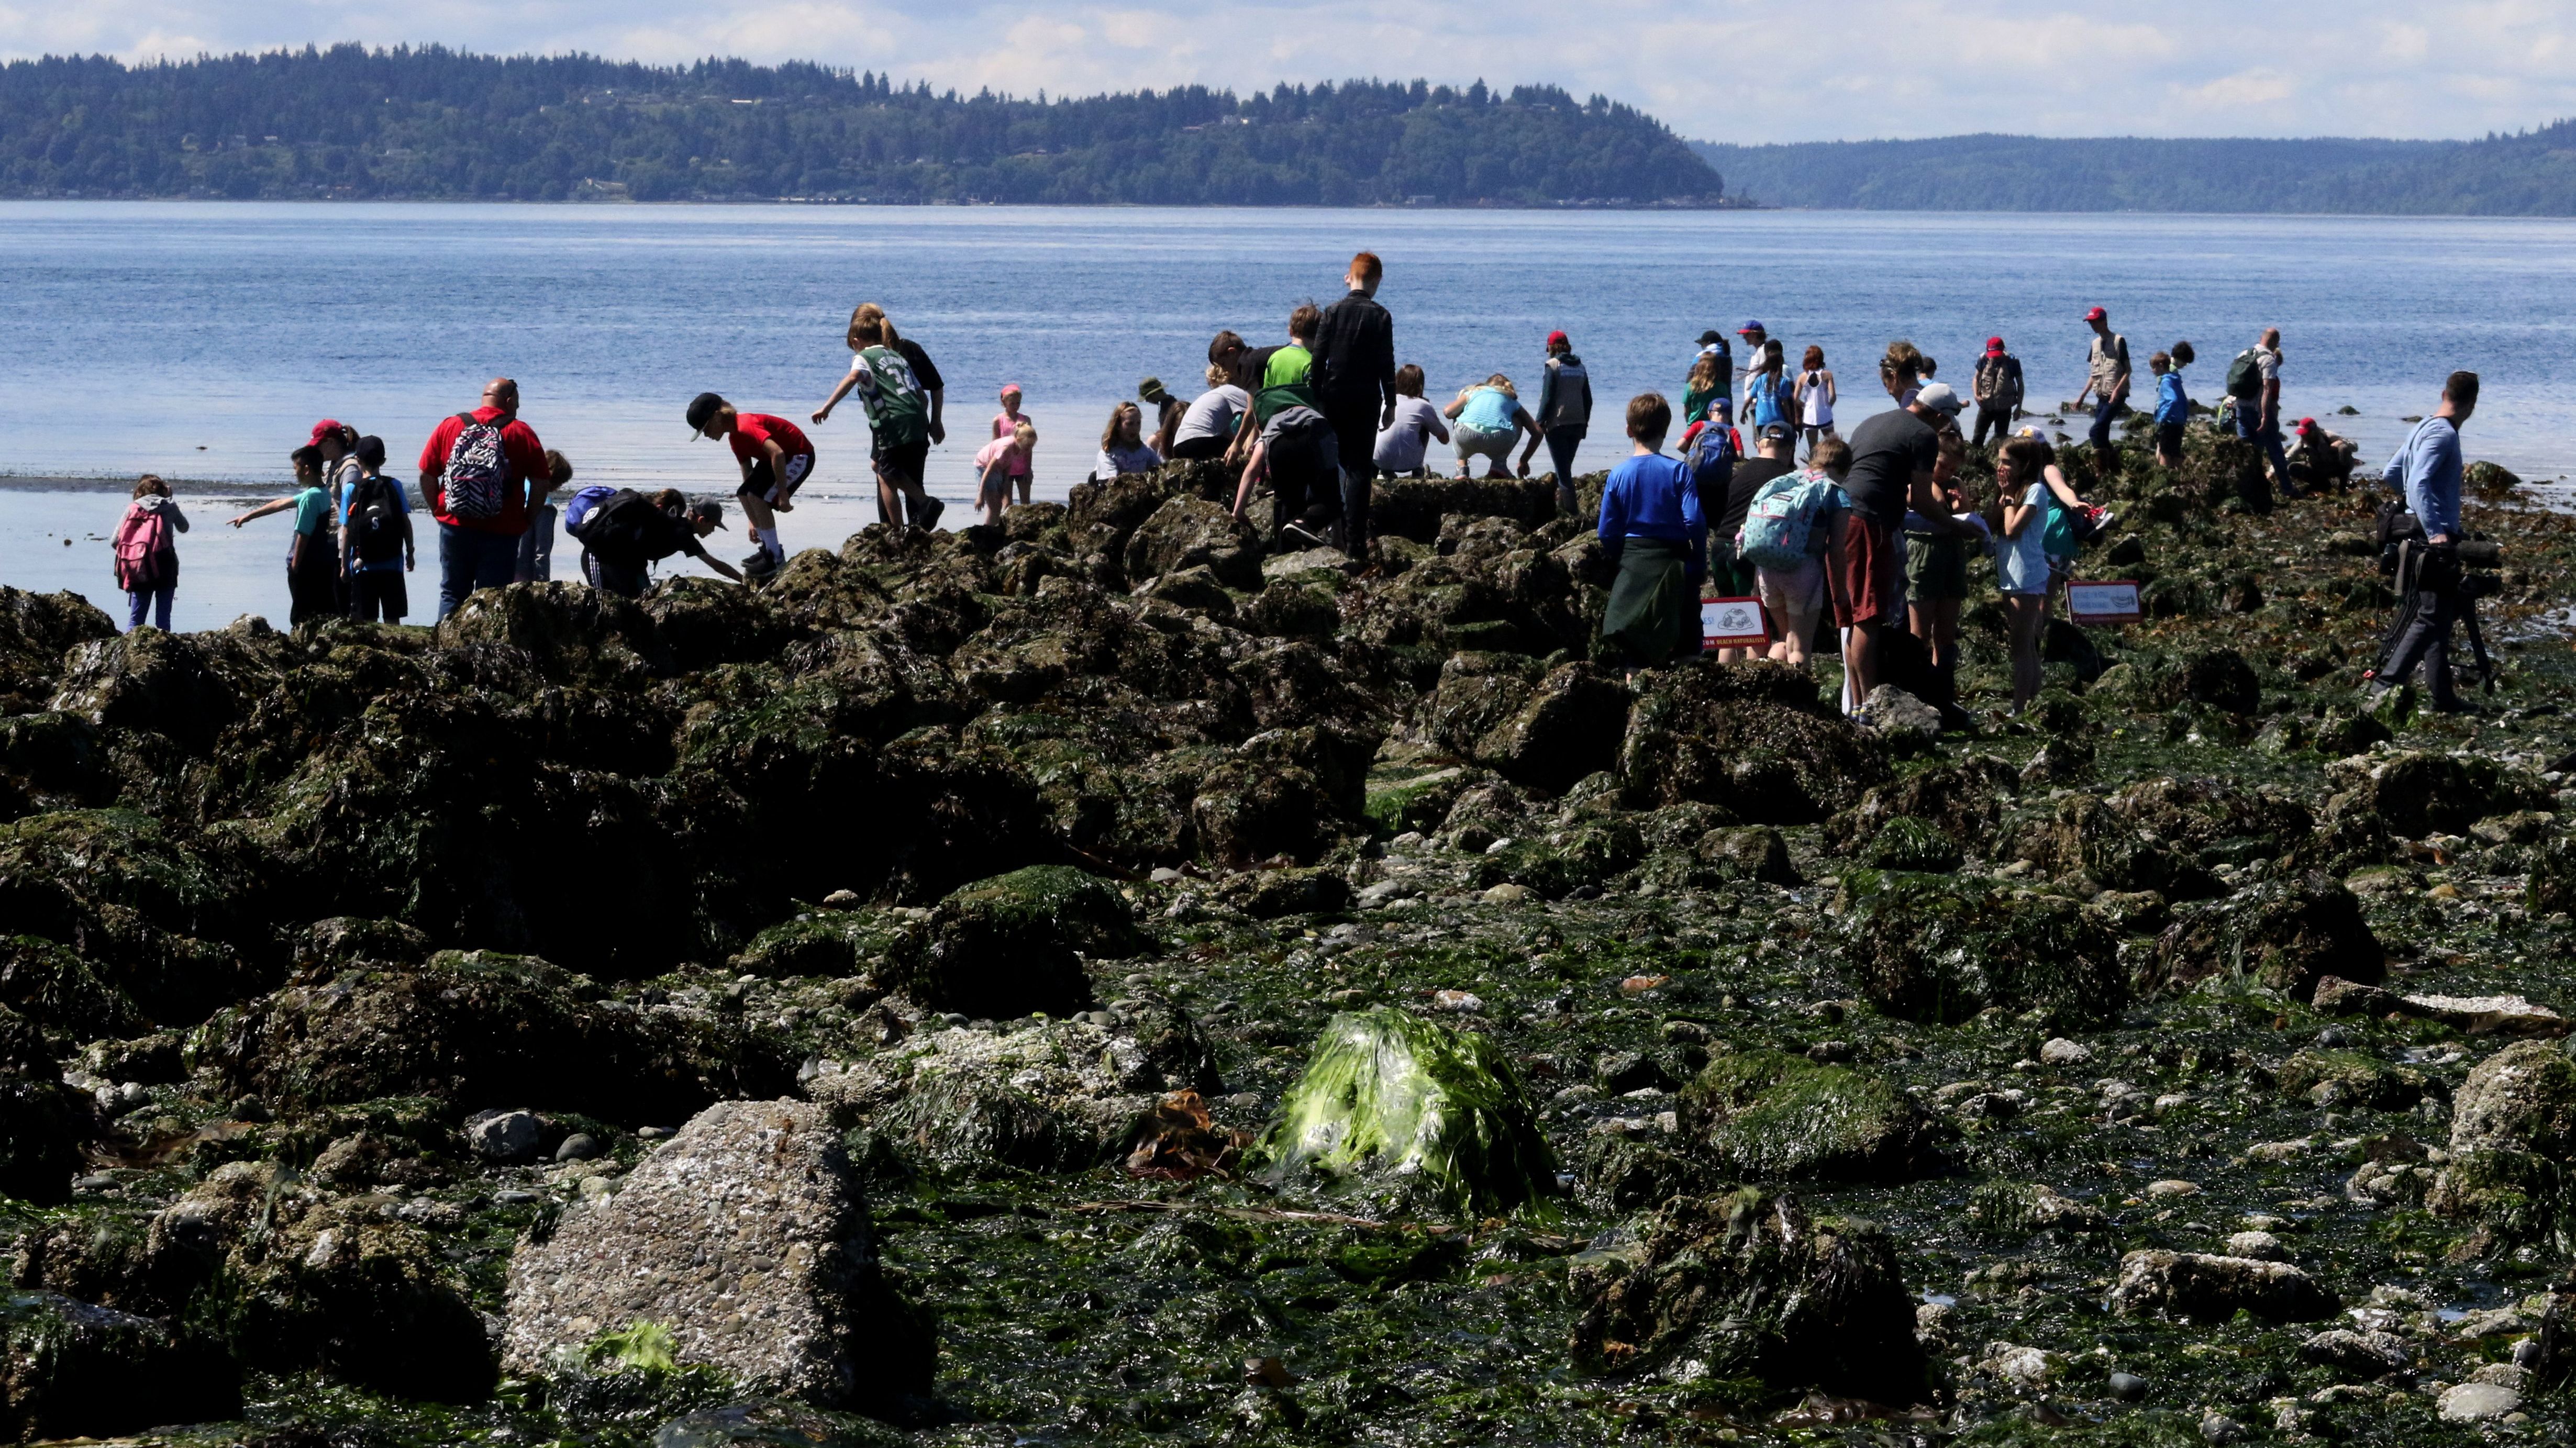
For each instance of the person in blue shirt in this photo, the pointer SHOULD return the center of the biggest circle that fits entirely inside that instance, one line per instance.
(376, 543)
(2173, 408)
(312, 557)
(2427, 470)
(1656, 537)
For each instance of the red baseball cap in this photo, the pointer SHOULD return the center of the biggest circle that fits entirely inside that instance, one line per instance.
(325, 428)
(2306, 423)
(2096, 315)
(1994, 345)
(1555, 337)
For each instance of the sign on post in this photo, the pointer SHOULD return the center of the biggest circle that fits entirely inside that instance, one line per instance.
(2114, 601)
(1732, 623)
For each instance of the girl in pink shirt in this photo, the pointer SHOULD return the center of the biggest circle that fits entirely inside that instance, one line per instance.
(993, 467)
(1005, 423)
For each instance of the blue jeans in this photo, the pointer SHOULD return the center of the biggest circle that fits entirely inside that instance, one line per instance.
(2104, 411)
(155, 599)
(2249, 426)
(468, 559)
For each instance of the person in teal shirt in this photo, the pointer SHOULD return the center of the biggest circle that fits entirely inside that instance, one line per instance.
(313, 554)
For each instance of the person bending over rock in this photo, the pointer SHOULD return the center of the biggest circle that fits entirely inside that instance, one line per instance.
(902, 393)
(625, 533)
(775, 459)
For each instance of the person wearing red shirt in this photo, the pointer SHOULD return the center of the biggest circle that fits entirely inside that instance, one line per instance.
(477, 471)
(775, 458)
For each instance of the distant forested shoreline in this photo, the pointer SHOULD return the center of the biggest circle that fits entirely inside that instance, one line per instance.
(2530, 174)
(437, 124)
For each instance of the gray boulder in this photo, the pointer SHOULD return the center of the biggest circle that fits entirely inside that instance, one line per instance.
(2205, 1288)
(72, 1370)
(747, 1236)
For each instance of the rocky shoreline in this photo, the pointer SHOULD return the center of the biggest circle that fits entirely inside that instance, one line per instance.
(1105, 979)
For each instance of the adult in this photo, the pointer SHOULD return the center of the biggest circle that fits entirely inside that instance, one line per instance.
(147, 552)
(475, 473)
(1997, 385)
(1208, 423)
(2106, 381)
(1656, 541)
(1564, 415)
(1936, 572)
(1489, 415)
(1893, 455)
(2320, 459)
(631, 532)
(1354, 371)
(2254, 380)
(2426, 470)
(1817, 393)
(1902, 370)
(1775, 451)
(1122, 445)
(1404, 442)
(902, 393)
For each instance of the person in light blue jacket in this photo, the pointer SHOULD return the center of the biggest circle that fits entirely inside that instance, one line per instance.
(2173, 407)
(2427, 470)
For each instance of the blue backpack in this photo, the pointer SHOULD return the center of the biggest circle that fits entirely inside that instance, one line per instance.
(1712, 456)
(1780, 530)
(581, 505)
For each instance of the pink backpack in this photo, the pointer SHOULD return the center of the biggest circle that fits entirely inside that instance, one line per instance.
(140, 539)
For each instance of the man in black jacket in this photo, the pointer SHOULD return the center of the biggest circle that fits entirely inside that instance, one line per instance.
(1355, 380)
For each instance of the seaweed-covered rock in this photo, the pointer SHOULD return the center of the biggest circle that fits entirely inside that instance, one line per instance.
(1753, 738)
(2513, 1131)
(1935, 950)
(1906, 842)
(1769, 1116)
(1190, 532)
(834, 943)
(2089, 840)
(1962, 801)
(302, 1281)
(151, 921)
(1396, 1107)
(2007, 1208)
(747, 1237)
(1007, 946)
(1569, 728)
(2201, 1287)
(2282, 934)
(72, 1370)
(2344, 1079)
(2420, 794)
(472, 1029)
(1269, 894)
(2220, 678)
(36, 630)
(773, 1422)
(1747, 852)
(52, 762)
(1751, 1286)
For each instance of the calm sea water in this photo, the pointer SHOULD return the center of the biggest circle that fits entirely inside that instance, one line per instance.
(201, 341)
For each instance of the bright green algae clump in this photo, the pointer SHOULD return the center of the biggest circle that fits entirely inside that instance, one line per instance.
(1415, 1113)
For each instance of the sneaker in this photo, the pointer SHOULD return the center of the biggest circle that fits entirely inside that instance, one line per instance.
(761, 564)
(2103, 518)
(925, 514)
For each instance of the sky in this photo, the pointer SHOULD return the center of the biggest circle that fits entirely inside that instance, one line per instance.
(1791, 70)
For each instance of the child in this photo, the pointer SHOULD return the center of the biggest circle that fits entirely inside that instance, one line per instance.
(1795, 593)
(147, 552)
(312, 562)
(376, 546)
(1168, 412)
(2173, 408)
(993, 468)
(2023, 502)
(1706, 385)
(903, 411)
(1816, 397)
(1005, 423)
(1655, 537)
(774, 457)
(1122, 446)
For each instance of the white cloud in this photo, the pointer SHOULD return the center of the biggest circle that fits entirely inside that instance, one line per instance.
(1826, 69)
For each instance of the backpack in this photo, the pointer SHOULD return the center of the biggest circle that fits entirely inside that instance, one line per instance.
(375, 517)
(612, 525)
(140, 538)
(2245, 375)
(580, 505)
(478, 471)
(1711, 455)
(1780, 527)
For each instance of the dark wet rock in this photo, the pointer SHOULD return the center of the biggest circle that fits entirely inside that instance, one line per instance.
(1290, 610)
(311, 1282)
(345, 940)
(1930, 949)
(1756, 739)
(1269, 894)
(2513, 1130)
(832, 943)
(2199, 1287)
(2281, 934)
(2361, 1354)
(568, 633)
(2343, 1079)
(1963, 801)
(1008, 946)
(1747, 852)
(69, 1369)
(2219, 678)
(747, 1237)
(2019, 1209)
(151, 921)
(2550, 885)
(504, 1136)
(1420, 509)
(1190, 532)
(2421, 794)
(1560, 862)
(1569, 727)
(1418, 802)
(1630, 1173)
(776, 1423)
(1769, 1116)
(1749, 1285)
(473, 1028)
(700, 623)
(52, 762)
(1401, 1110)
(154, 1060)
(36, 630)
(167, 684)
(44, 1124)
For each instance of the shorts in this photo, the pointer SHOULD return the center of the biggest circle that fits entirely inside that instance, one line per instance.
(1935, 568)
(1873, 573)
(1193, 449)
(2169, 437)
(1476, 442)
(766, 485)
(1792, 598)
(378, 592)
(903, 463)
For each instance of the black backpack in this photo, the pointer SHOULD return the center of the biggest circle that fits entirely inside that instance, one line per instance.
(616, 528)
(375, 520)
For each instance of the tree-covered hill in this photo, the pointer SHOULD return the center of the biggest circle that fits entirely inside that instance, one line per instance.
(436, 123)
(2531, 174)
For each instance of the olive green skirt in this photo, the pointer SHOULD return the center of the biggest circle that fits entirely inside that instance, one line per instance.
(1654, 611)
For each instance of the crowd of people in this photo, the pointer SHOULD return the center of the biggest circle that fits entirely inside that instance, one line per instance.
(1875, 530)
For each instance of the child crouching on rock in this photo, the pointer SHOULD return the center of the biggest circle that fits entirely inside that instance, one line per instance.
(1656, 538)
(1001, 462)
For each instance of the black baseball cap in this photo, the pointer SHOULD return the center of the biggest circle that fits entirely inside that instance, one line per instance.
(712, 512)
(702, 410)
(1710, 336)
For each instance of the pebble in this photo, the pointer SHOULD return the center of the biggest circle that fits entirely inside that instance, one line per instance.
(2126, 1387)
(841, 900)
(2172, 1187)
(2217, 1428)
(2261, 1246)
(514, 1196)
(1507, 893)
(2063, 1052)
(580, 1146)
(1165, 875)
(1462, 1002)
(653, 1133)
(1637, 984)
